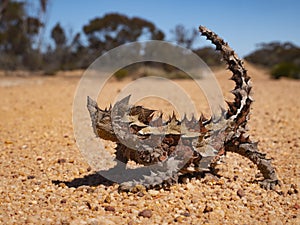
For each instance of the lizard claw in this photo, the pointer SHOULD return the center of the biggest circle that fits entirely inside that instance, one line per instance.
(269, 184)
(130, 187)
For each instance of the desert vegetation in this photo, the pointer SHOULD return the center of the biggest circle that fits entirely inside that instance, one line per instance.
(24, 46)
(283, 59)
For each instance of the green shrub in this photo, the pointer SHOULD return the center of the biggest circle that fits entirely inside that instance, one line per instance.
(121, 74)
(285, 69)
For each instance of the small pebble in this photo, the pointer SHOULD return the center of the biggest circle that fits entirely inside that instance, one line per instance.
(146, 213)
(240, 193)
(63, 185)
(107, 199)
(8, 142)
(186, 214)
(63, 201)
(190, 186)
(89, 205)
(207, 209)
(109, 208)
(64, 222)
(89, 190)
(140, 194)
(153, 192)
(179, 219)
(61, 161)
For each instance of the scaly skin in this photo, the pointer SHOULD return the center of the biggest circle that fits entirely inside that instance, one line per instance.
(173, 148)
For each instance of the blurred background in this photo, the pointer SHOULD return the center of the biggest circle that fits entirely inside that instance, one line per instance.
(48, 36)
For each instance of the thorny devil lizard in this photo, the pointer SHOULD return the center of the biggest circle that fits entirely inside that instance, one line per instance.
(188, 146)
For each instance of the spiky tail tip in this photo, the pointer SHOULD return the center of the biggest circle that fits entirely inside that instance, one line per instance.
(240, 107)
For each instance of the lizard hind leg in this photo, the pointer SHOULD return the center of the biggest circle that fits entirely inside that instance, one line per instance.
(250, 151)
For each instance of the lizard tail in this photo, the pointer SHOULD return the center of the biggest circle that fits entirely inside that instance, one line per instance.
(238, 109)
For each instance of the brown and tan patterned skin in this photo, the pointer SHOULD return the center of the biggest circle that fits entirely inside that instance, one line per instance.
(183, 147)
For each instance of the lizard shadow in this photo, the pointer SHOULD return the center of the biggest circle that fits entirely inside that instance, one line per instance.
(91, 180)
(105, 177)
(112, 176)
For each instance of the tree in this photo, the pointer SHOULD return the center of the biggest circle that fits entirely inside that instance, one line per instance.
(12, 33)
(115, 29)
(17, 32)
(270, 54)
(282, 58)
(3, 6)
(209, 56)
(69, 52)
(184, 37)
(58, 35)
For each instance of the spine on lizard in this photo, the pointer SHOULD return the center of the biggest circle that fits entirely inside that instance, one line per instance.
(238, 110)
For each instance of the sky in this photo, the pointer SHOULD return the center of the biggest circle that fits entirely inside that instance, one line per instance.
(243, 24)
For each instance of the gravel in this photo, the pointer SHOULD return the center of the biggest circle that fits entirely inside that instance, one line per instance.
(45, 180)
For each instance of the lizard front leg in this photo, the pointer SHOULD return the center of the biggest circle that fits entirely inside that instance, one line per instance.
(164, 172)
